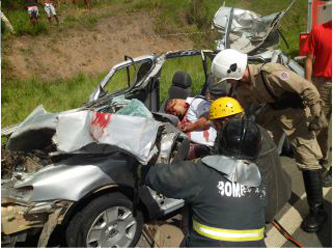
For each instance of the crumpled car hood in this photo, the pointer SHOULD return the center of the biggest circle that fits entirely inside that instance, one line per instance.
(74, 130)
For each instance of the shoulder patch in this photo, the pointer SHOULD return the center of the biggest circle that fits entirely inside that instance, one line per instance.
(284, 75)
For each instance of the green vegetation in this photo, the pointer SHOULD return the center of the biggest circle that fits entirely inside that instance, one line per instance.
(22, 25)
(173, 16)
(192, 65)
(20, 97)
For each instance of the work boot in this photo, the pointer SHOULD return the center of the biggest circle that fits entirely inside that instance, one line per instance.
(327, 177)
(317, 216)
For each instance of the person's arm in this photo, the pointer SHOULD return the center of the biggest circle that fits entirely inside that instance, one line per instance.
(309, 48)
(202, 124)
(308, 66)
(180, 180)
(284, 79)
(291, 82)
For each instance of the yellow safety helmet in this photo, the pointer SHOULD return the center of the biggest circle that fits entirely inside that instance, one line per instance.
(223, 107)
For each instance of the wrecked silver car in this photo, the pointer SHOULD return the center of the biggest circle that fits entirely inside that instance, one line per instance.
(76, 170)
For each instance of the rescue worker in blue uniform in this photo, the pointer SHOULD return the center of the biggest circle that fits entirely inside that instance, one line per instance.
(274, 177)
(224, 191)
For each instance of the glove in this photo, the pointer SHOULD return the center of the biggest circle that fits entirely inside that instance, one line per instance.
(317, 123)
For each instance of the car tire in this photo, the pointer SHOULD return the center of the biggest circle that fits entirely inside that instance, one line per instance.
(107, 221)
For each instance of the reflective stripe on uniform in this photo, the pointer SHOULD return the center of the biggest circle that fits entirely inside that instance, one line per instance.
(229, 234)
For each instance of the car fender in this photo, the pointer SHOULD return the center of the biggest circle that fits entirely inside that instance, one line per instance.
(79, 175)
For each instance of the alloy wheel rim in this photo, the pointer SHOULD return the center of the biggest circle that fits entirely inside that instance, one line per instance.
(114, 227)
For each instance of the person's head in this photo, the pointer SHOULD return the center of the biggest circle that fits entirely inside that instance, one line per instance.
(224, 109)
(230, 65)
(176, 107)
(240, 138)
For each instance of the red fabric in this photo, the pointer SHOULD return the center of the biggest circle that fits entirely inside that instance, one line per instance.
(319, 44)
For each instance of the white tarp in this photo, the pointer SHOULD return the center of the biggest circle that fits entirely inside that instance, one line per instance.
(133, 134)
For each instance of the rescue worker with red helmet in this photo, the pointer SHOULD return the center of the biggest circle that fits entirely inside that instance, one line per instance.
(290, 98)
(276, 180)
(224, 191)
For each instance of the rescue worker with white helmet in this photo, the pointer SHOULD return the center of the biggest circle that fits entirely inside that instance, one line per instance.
(224, 191)
(276, 180)
(288, 95)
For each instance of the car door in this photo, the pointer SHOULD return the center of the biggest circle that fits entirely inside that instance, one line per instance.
(134, 78)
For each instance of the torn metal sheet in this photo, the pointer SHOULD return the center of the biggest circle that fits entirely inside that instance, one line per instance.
(247, 30)
(48, 228)
(35, 132)
(135, 135)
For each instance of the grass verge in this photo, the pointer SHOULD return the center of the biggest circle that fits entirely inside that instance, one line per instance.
(20, 97)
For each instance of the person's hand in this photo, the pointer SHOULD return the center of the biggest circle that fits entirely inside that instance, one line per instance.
(317, 123)
(185, 127)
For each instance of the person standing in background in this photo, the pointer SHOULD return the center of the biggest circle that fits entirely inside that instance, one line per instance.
(86, 3)
(318, 69)
(33, 11)
(50, 10)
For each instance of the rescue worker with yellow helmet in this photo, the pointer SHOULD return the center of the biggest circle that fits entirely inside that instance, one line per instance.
(276, 180)
(289, 97)
(223, 109)
(224, 191)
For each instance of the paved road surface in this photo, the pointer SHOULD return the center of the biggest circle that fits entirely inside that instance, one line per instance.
(291, 216)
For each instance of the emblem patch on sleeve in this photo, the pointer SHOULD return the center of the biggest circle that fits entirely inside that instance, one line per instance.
(284, 76)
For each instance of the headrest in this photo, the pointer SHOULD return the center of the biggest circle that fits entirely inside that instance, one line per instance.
(179, 92)
(182, 79)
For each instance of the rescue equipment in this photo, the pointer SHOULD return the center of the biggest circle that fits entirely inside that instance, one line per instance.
(229, 64)
(240, 138)
(285, 234)
(224, 107)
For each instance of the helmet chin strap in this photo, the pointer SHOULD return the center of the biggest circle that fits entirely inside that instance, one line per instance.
(239, 149)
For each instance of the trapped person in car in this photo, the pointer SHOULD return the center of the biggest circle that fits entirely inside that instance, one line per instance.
(287, 94)
(275, 179)
(224, 190)
(193, 115)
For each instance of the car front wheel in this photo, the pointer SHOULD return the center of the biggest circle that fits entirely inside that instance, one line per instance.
(107, 221)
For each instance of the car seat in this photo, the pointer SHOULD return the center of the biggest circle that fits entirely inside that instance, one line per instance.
(180, 88)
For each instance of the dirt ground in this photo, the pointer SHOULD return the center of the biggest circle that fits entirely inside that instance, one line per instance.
(65, 53)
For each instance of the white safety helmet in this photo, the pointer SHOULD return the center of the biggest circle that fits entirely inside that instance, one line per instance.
(229, 64)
